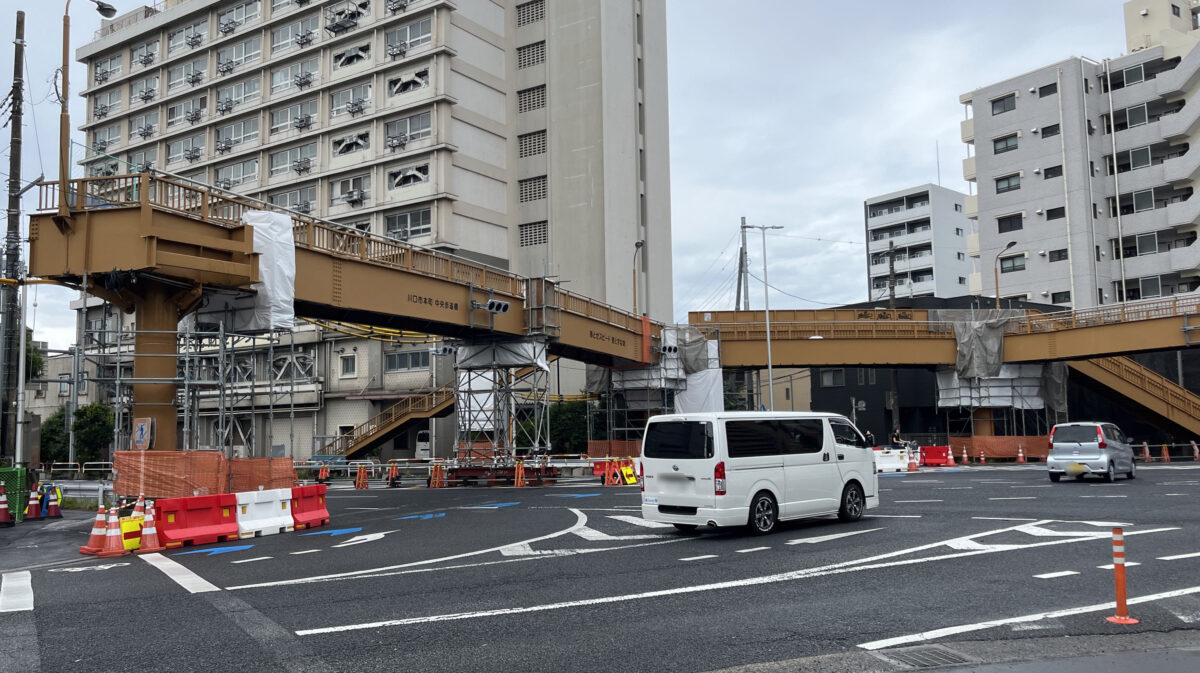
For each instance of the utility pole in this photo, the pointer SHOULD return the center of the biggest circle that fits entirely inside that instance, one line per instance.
(742, 301)
(895, 392)
(9, 336)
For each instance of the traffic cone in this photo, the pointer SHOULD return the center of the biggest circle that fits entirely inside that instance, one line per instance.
(114, 541)
(6, 520)
(912, 462)
(1195, 452)
(1146, 453)
(53, 512)
(1020, 455)
(149, 541)
(95, 543)
(982, 458)
(950, 457)
(33, 511)
(139, 509)
(1166, 457)
(965, 460)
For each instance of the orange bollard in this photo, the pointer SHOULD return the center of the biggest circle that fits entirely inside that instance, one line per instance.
(950, 457)
(114, 541)
(95, 543)
(1122, 616)
(519, 475)
(1166, 457)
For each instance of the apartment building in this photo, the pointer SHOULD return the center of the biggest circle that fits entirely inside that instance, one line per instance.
(1085, 170)
(924, 229)
(529, 135)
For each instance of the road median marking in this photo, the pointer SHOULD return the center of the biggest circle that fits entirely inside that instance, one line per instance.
(252, 560)
(179, 574)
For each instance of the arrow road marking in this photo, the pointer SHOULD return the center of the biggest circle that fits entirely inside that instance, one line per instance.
(335, 532)
(215, 551)
(359, 539)
(826, 538)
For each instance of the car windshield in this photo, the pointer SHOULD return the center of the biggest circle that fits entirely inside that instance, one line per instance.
(1074, 434)
(679, 439)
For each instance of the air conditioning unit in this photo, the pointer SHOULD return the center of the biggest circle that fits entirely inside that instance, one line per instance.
(225, 67)
(303, 79)
(194, 78)
(303, 39)
(100, 144)
(356, 106)
(193, 116)
(224, 145)
(146, 58)
(223, 183)
(397, 142)
(398, 49)
(302, 165)
(225, 105)
(194, 39)
(102, 76)
(100, 111)
(145, 167)
(302, 122)
(146, 95)
(227, 27)
(145, 131)
(355, 196)
(191, 153)
(302, 207)
(397, 5)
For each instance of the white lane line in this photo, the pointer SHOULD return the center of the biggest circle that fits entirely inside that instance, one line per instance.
(16, 592)
(1036, 617)
(639, 521)
(895, 516)
(1175, 494)
(1039, 486)
(181, 575)
(1186, 608)
(1050, 576)
(1104, 496)
(306, 551)
(1128, 564)
(910, 501)
(1038, 626)
(747, 551)
(580, 523)
(698, 558)
(1001, 518)
(1176, 557)
(858, 565)
(1020, 497)
(953, 488)
(368, 509)
(252, 560)
(826, 538)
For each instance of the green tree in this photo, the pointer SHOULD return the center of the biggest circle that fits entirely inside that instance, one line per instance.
(568, 427)
(735, 393)
(54, 437)
(93, 428)
(35, 362)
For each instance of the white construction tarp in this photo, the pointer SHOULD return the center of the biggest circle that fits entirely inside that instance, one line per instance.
(704, 392)
(276, 286)
(1017, 386)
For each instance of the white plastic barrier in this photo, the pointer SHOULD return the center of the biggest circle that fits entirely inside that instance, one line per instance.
(888, 459)
(264, 512)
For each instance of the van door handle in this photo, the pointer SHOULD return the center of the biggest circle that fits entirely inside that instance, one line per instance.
(825, 457)
(841, 456)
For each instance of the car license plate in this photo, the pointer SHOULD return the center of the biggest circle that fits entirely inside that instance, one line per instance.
(650, 501)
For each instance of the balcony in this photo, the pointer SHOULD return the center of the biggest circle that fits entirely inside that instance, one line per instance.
(975, 283)
(972, 245)
(1179, 169)
(1184, 215)
(969, 169)
(971, 206)
(967, 130)
(1184, 260)
(1184, 123)
(1182, 78)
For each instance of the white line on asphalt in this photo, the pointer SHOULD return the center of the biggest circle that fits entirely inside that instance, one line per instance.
(821, 571)
(698, 558)
(953, 488)
(1186, 608)
(1019, 497)
(1039, 616)
(580, 522)
(826, 538)
(1178, 556)
(252, 560)
(1038, 486)
(1062, 573)
(16, 592)
(1128, 564)
(182, 576)
(1175, 493)
(1104, 496)
(639, 521)
(1001, 518)
(895, 516)
(910, 501)
(306, 551)
(747, 551)
(372, 509)
(1038, 626)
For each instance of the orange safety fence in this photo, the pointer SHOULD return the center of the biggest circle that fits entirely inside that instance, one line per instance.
(180, 474)
(247, 474)
(614, 448)
(1035, 447)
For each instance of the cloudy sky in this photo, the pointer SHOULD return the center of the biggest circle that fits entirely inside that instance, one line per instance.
(787, 112)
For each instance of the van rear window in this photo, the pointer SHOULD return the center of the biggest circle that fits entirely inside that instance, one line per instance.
(1075, 433)
(678, 440)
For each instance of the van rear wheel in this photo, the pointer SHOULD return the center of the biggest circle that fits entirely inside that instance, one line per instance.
(853, 503)
(763, 515)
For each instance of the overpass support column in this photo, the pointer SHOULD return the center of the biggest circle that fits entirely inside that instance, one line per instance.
(155, 354)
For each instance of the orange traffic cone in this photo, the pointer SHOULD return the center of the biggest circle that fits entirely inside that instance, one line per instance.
(52, 511)
(33, 511)
(95, 543)
(965, 460)
(1146, 453)
(149, 541)
(1166, 457)
(139, 510)
(982, 457)
(1195, 452)
(6, 520)
(1020, 455)
(114, 541)
(912, 462)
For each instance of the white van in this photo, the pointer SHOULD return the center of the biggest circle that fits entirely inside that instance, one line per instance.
(754, 468)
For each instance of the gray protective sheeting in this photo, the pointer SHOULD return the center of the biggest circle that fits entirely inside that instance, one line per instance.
(276, 286)
(980, 337)
(530, 353)
(705, 390)
(692, 349)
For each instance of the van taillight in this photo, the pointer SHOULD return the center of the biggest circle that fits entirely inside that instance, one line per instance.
(1051, 442)
(642, 475)
(719, 478)
(1100, 438)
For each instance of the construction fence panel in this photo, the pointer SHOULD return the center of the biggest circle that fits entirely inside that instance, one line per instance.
(249, 474)
(17, 489)
(1035, 447)
(170, 474)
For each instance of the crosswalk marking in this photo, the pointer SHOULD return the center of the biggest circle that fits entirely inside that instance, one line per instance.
(1176, 557)
(1061, 573)
(16, 592)
(639, 521)
(181, 575)
(698, 558)
(747, 551)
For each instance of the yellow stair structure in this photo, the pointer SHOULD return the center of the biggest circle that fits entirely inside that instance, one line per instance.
(1145, 387)
(390, 421)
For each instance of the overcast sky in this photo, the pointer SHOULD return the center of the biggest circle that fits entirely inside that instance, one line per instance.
(787, 112)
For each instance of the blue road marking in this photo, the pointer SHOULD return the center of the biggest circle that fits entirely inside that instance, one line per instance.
(335, 532)
(574, 495)
(494, 505)
(421, 517)
(215, 551)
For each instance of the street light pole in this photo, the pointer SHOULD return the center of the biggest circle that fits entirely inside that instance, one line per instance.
(996, 270)
(637, 247)
(766, 309)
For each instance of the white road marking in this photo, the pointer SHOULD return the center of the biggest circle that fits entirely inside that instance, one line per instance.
(870, 563)
(1062, 573)
(16, 592)
(594, 535)
(953, 488)
(1038, 616)
(1038, 486)
(826, 538)
(1019, 497)
(1043, 625)
(1186, 608)
(1104, 496)
(306, 551)
(895, 516)
(367, 509)
(1128, 564)
(1176, 557)
(526, 550)
(1175, 494)
(639, 521)
(911, 501)
(252, 560)
(1001, 518)
(747, 551)
(359, 539)
(698, 558)
(181, 575)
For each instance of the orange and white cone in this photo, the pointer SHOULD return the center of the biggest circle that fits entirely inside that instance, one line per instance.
(114, 541)
(139, 510)
(982, 457)
(966, 460)
(149, 541)
(1146, 452)
(912, 461)
(53, 512)
(6, 520)
(95, 543)
(950, 458)
(1020, 455)
(33, 511)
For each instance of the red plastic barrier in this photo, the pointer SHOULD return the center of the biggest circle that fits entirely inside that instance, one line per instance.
(308, 506)
(935, 455)
(201, 519)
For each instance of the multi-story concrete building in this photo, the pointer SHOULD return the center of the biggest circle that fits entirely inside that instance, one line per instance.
(1086, 170)
(529, 135)
(925, 229)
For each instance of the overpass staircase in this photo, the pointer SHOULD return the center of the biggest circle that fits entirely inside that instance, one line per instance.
(391, 421)
(1145, 387)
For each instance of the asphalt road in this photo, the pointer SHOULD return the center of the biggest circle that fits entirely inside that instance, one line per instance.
(995, 563)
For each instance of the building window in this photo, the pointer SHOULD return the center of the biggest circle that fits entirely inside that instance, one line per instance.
(533, 233)
(348, 57)
(1050, 131)
(1136, 116)
(410, 35)
(1008, 183)
(531, 99)
(186, 110)
(245, 91)
(64, 385)
(1048, 90)
(403, 226)
(1138, 158)
(293, 74)
(410, 82)
(1006, 144)
(1052, 172)
(144, 53)
(411, 128)
(355, 98)
(189, 147)
(185, 73)
(1151, 286)
(404, 360)
(1175, 10)
(242, 52)
(1059, 255)
(1134, 75)
(188, 36)
(285, 36)
(243, 130)
(1056, 213)
(142, 159)
(1143, 200)
(958, 208)
(833, 378)
(353, 190)
(962, 256)
(239, 14)
(1009, 223)
(408, 176)
(1004, 104)
(531, 144)
(238, 173)
(1060, 297)
(531, 55)
(295, 199)
(348, 365)
(106, 68)
(958, 231)
(962, 280)
(532, 189)
(1014, 263)
(349, 144)
(143, 90)
(531, 12)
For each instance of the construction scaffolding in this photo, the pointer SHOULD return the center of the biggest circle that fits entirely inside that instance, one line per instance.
(502, 398)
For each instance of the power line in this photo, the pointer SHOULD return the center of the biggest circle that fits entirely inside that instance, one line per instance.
(37, 137)
(815, 238)
(793, 296)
